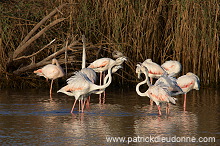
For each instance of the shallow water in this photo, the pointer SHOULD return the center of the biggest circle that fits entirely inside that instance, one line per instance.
(29, 117)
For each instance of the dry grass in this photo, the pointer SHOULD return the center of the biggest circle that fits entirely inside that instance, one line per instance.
(187, 31)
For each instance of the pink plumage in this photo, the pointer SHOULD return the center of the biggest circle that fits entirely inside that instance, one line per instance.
(187, 83)
(51, 71)
(154, 70)
(172, 67)
(101, 65)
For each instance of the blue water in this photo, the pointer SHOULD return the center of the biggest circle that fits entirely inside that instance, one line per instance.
(30, 117)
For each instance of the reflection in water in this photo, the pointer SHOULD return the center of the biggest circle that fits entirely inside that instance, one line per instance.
(175, 124)
(31, 118)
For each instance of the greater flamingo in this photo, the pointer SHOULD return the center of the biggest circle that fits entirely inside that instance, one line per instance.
(90, 73)
(80, 86)
(187, 83)
(154, 70)
(156, 93)
(172, 67)
(101, 65)
(51, 71)
(116, 54)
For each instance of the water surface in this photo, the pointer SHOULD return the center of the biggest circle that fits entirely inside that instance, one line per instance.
(29, 117)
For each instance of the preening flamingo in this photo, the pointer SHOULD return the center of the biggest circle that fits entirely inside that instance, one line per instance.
(116, 54)
(187, 83)
(154, 70)
(90, 73)
(80, 86)
(169, 83)
(156, 93)
(101, 65)
(51, 71)
(172, 67)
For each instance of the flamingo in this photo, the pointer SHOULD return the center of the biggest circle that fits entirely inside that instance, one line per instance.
(80, 86)
(187, 83)
(169, 83)
(90, 73)
(101, 65)
(116, 54)
(155, 92)
(172, 67)
(51, 71)
(154, 70)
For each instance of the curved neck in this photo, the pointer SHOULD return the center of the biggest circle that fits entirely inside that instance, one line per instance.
(106, 84)
(141, 83)
(84, 52)
(54, 61)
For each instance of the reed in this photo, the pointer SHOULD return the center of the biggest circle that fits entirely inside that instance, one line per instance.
(183, 30)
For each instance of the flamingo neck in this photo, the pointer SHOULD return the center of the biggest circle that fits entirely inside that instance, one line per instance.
(106, 84)
(54, 61)
(141, 83)
(84, 53)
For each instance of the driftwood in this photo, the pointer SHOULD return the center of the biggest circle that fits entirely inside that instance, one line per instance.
(44, 61)
(23, 47)
(27, 41)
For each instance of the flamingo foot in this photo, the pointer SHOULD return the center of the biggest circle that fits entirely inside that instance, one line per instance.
(159, 111)
(151, 102)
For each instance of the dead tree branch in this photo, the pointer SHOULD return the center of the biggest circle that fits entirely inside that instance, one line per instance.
(44, 61)
(21, 50)
(24, 57)
(40, 23)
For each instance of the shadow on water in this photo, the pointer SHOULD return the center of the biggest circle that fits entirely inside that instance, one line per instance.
(31, 118)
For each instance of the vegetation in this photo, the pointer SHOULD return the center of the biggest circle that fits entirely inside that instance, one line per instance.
(183, 30)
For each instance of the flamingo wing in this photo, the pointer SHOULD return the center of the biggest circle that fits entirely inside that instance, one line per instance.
(90, 73)
(99, 63)
(154, 68)
(79, 81)
(158, 94)
(186, 83)
(171, 67)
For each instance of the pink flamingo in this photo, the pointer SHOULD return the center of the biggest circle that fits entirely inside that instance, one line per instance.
(101, 65)
(187, 83)
(51, 71)
(156, 93)
(172, 67)
(80, 86)
(90, 73)
(154, 70)
(116, 54)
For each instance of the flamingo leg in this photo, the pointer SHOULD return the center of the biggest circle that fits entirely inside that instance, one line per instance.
(73, 106)
(151, 81)
(104, 91)
(168, 108)
(79, 105)
(82, 105)
(159, 111)
(100, 95)
(87, 102)
(151, 102)
(184, 102)
(51, 86)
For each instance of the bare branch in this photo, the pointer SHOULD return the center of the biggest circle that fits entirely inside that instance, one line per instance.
(20, 50)
(22, 57)
(44, 61)
(40, 23)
